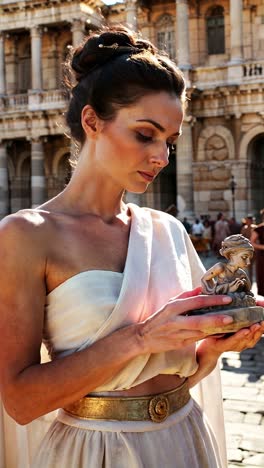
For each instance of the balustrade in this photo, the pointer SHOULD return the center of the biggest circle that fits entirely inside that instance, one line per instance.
(16, 101)
(47, 100)
(253, 70)
(204, 77)
(54, 96)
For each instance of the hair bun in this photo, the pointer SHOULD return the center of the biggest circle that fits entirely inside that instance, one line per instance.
(98, 49)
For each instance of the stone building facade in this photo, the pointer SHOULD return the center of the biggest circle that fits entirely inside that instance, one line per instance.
(218, 44)
(34, 151)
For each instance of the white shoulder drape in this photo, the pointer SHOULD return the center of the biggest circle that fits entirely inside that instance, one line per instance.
(169, 245)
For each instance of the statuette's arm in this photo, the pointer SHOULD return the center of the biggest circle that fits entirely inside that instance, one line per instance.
(209, 284)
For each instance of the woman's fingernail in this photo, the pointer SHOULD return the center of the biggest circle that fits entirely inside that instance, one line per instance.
(228, 319)
(227, 299)
(246, 332)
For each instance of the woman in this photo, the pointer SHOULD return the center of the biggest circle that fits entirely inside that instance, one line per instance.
(231, 278)
(104, 283)
(221, 231)
(257, 239)
(207, 235)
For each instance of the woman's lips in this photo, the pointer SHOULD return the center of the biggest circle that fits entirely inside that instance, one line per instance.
(147, 176)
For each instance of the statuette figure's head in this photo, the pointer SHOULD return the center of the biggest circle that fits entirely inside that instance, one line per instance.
(238, 249)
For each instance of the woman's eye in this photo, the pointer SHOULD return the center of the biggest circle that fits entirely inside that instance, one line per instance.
(143, 138)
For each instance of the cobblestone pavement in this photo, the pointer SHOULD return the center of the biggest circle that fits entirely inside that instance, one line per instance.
(243, 394)
(243, 399)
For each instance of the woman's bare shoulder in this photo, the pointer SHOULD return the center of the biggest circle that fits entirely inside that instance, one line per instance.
(27, 219)
(23, 228)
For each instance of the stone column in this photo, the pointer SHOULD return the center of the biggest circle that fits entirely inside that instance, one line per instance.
(77, 32)
(236, 31)
(2, 65)
(182, 35)
(36, 50)
(4, 190)
(131, 14)
(38, 180)
(184, 170)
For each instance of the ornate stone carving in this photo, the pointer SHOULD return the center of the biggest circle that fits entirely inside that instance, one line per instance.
(215, 148)
(216, 142)
(165, 20)
(221, 173)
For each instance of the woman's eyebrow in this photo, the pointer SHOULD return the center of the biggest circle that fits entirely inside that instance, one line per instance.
(156, 124)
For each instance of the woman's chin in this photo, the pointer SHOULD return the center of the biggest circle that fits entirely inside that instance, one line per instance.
(137, 190)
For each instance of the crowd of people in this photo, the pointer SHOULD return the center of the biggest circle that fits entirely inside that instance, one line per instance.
(207, 236)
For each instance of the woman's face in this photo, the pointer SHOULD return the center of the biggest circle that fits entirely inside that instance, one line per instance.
(241, 258)
(132, 148)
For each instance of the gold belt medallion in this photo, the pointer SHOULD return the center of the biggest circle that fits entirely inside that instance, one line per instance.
(159, 408)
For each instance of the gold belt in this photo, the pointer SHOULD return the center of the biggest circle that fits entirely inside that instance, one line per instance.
(153, 407)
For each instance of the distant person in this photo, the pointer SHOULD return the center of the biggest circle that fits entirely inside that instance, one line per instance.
(207, 235)
(246, 231)
(221, 231)
(234, 226)
(187, 225)
(197, 228)
(257, 240)
(248, 226)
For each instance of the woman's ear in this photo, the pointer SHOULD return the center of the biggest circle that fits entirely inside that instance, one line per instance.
(90, 121)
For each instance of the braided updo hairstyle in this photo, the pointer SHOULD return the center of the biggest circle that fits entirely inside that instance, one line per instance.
(112, 69)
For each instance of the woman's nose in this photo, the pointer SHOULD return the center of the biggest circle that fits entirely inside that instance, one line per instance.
(161, 155)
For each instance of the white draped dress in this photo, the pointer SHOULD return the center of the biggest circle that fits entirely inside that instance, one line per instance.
(160, 264)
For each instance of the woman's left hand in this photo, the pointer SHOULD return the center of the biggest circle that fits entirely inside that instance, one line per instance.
(239, 341)
(260, 300)
(210, 348)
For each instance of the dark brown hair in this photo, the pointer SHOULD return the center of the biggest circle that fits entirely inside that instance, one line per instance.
(114, 68)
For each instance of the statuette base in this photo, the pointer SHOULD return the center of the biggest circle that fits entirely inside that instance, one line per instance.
(243, 317)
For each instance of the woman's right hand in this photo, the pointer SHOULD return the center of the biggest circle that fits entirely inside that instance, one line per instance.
(169, 328)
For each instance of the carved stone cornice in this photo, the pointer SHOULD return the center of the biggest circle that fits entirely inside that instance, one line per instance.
(85, 7)
(46, 13)
(36, 124)
(8, 6)
(226, 91)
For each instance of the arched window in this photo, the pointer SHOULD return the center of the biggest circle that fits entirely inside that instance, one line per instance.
(215, 28)
(165, 35)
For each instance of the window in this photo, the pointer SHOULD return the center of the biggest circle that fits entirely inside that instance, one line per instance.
(215, 25)
(165, 35)
(24, 68)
